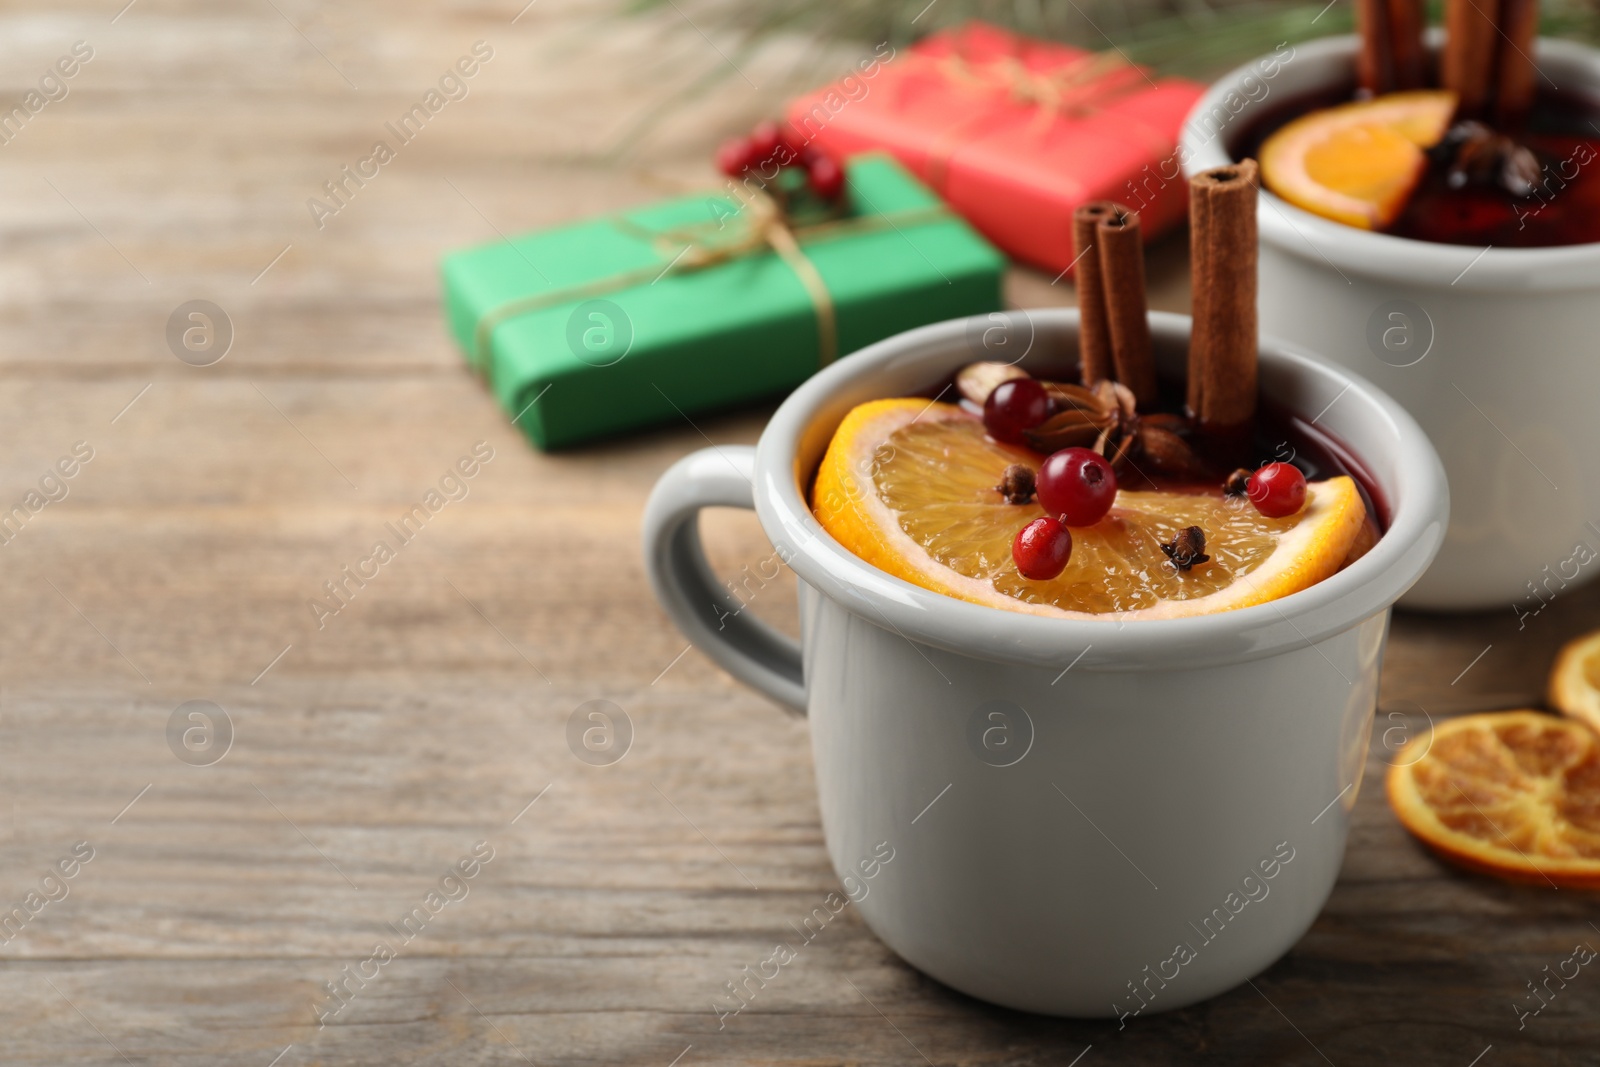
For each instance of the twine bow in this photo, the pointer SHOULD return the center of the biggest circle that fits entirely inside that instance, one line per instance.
(686, 249)
(1074, 89)
(767, 226)
(1078, 89)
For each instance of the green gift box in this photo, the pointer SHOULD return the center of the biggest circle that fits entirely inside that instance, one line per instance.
(653, 315)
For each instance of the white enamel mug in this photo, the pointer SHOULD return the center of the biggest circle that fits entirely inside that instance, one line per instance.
(1492, 350)
(1086, 818)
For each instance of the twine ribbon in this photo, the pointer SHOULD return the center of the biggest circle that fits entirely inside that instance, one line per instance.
(1078, 89)
(1073, 89)
(686, 249)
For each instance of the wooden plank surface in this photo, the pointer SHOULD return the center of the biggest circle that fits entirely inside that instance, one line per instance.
(372, 752)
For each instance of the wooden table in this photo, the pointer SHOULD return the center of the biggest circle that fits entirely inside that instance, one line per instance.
(373, 748)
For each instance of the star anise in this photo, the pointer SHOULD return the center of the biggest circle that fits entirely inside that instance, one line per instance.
(1474, 154)
(1104, 417)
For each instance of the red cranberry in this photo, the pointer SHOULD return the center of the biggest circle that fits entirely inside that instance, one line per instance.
(764, 140)
(1041, 549)
(1013, 406)
(735, 157)
(827, 178)
(795, 140)
(1078, 485)
(783, 155)
(1278, 490)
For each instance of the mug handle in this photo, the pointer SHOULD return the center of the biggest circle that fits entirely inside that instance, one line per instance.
(741, 644)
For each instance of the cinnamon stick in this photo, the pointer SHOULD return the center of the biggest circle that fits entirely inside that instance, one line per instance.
(1121, 248)
(1470, 45)
(1375, 61)
(1391, 55)
(1515, 74)
(1222, 259)
(1094, 335)
(1408, 20)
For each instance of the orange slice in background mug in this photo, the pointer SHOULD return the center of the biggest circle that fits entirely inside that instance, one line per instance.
(1357, 163)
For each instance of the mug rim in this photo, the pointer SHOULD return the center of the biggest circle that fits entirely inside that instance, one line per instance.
(1417, 494)
(1403, 260)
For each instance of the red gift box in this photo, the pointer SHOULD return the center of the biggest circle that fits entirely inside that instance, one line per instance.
(1014, 133)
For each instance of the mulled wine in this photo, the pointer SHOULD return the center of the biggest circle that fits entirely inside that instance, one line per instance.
(1104, 490)
(1477, 189)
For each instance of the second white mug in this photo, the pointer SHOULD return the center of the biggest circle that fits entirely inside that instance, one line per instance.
(1493, 350)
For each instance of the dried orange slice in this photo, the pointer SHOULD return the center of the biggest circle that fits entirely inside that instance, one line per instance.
(1357, 163)
(1515, 794)
(909, 486)
(1575, 680)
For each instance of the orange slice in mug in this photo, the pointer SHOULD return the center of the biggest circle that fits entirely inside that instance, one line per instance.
(909, 486)
(1357, 163)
